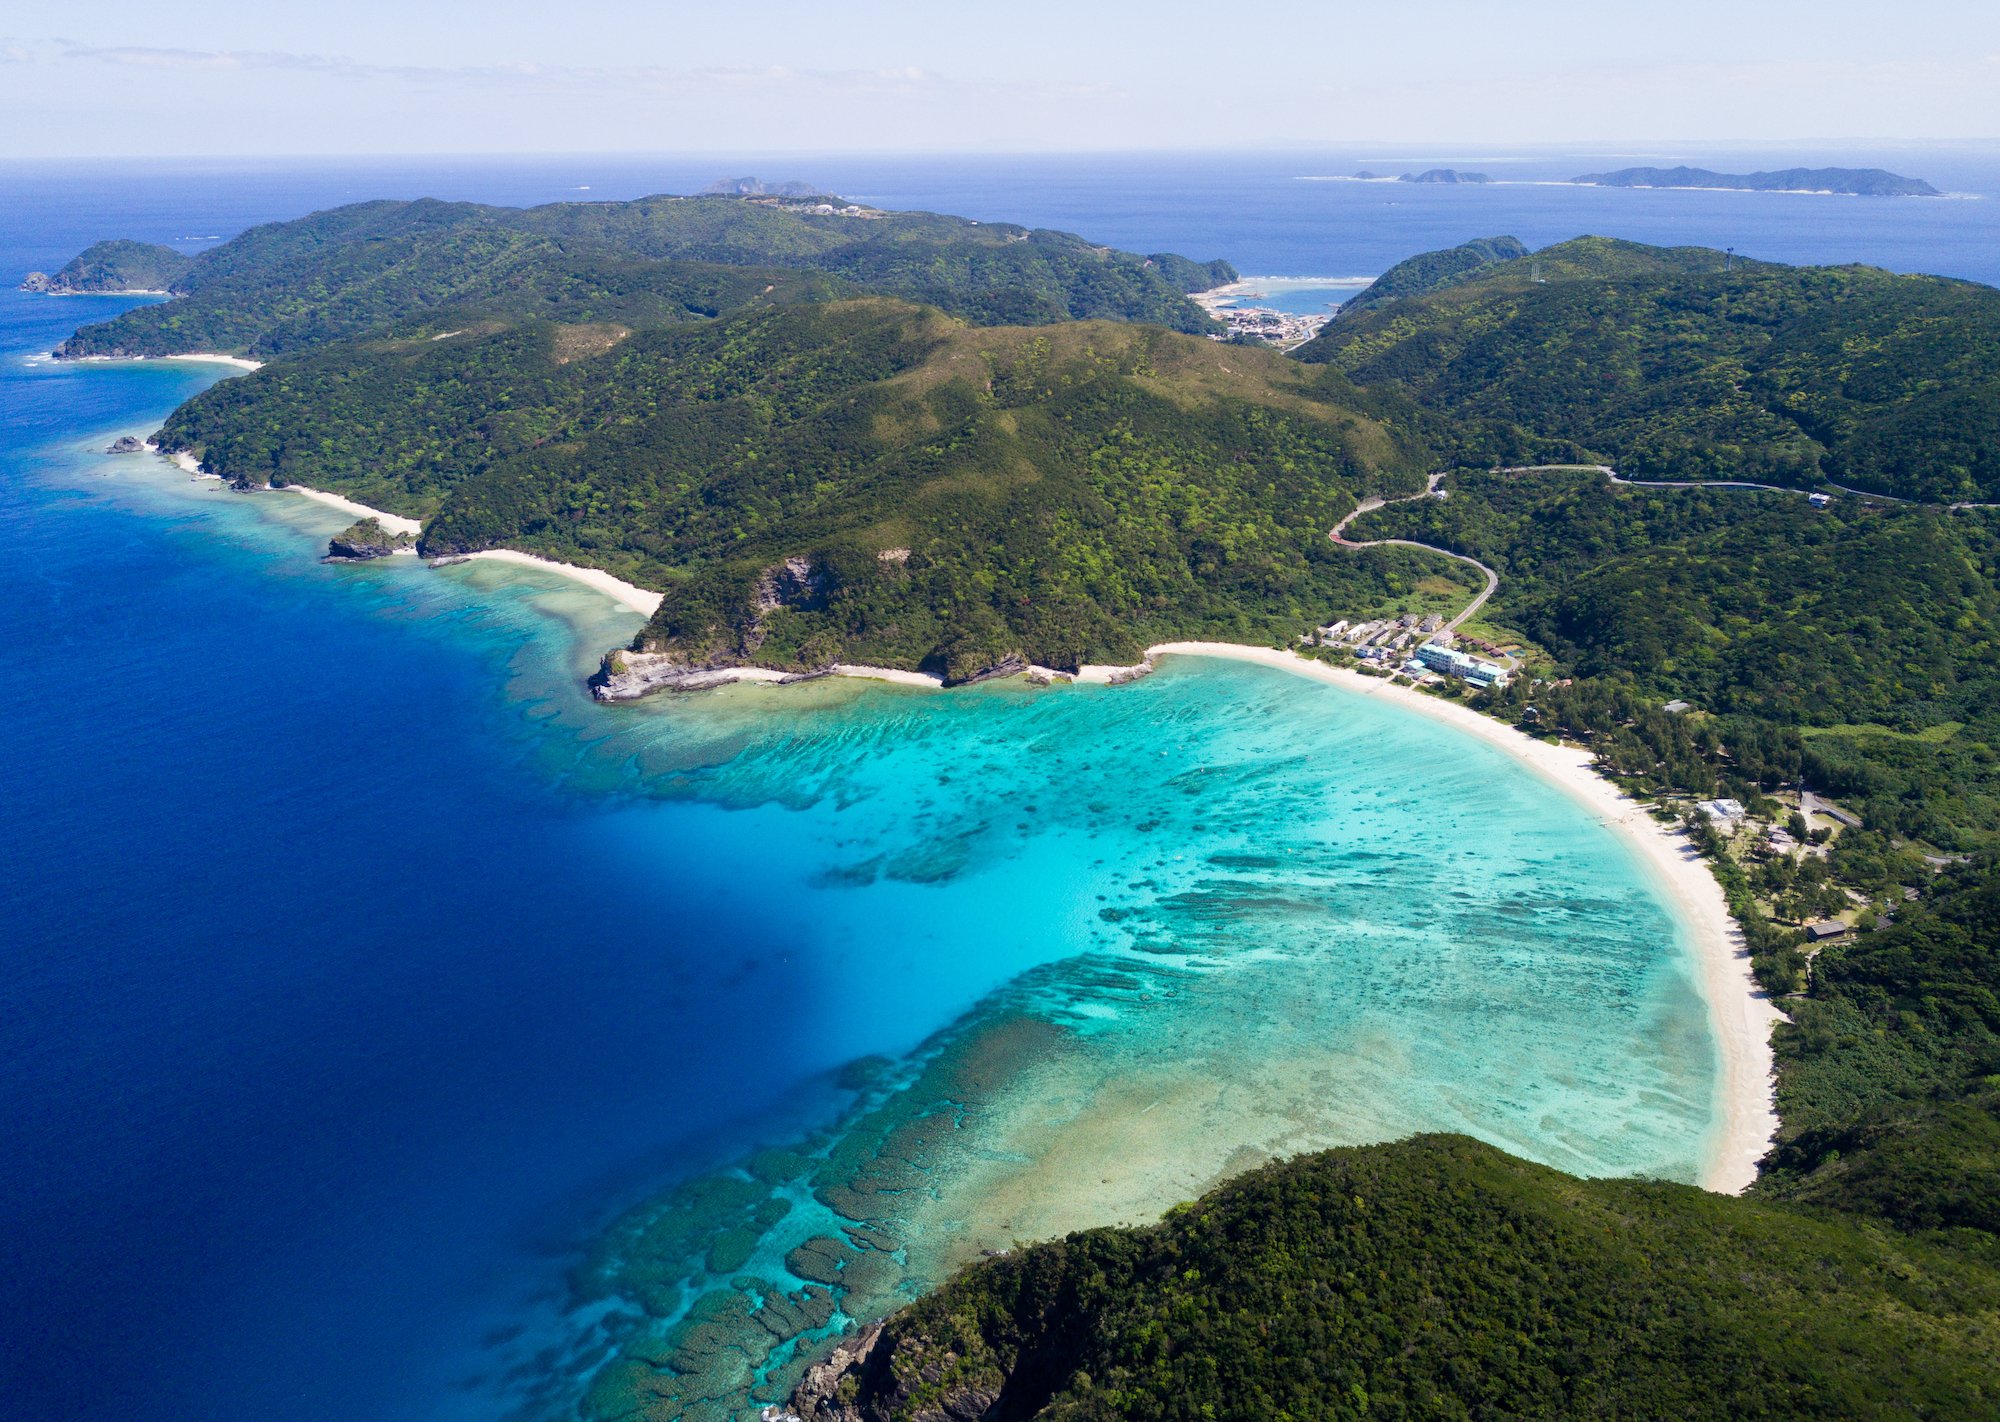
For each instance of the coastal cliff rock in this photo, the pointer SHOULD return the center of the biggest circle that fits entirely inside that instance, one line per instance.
(796, 584)
(35, 281)
(1012, 664)
(874, 1377)
(364, 540)
(626, 675)
(126, 444)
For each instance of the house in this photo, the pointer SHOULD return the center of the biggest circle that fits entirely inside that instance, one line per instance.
(1674, 708)
(1433, 622)
(1819, 501)
(1826, 928)
(1729, 811)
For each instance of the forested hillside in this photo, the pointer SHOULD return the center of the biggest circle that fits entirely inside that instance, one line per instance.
(1664, 364)
(1889, 1075)
(1438, 1278)
(1852, 644)
(1433, 271)
(288, 286)
(960, 494)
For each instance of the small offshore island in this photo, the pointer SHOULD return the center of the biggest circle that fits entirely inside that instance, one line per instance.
(1720, 531)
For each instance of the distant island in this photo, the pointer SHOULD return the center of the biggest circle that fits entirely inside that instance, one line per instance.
(751, 187)
(1437, 175)
(1860, 182)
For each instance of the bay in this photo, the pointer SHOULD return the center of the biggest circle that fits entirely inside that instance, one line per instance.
(357, 970)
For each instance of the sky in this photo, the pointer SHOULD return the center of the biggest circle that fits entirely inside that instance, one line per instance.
(121, 78)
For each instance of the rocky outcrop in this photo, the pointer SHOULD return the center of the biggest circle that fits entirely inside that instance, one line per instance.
(126, 444)
(817, 1397)
(35, 281)
(1013, 664)
(874, 1377)
(365, 540)
(626, 675)
(795, 584)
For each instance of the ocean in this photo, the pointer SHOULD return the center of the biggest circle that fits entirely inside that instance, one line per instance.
(359, 973)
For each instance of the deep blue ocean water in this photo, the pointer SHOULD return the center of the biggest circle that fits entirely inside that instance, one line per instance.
(354, 964)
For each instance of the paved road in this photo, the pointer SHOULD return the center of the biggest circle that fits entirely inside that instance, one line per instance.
(1492, 578)
(1614, 477)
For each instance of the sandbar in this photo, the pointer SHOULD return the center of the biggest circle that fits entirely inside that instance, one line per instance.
(1740, 1013)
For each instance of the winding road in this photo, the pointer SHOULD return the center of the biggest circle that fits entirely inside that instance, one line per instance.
(1430, 488)
(1493, 579)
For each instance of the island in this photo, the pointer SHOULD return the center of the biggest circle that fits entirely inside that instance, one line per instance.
(1443, 175)
(1725, 524)
(1859, 182)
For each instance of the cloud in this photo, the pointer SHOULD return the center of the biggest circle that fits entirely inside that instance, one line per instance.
(14, 52)
(140, 57)
(906, 82)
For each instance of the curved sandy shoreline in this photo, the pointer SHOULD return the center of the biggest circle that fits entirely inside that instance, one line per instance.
(1740, 1012)
(617, 589)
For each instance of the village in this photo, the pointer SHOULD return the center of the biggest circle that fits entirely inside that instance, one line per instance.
(1785, 845)
(1417, 647)
(1281, 329)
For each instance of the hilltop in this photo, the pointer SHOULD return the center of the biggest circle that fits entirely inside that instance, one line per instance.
(117, 265)
(1687, 363)
(1436, 1277)
(1431, 271)
(289, 286)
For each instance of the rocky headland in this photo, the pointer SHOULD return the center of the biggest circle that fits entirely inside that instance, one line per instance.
(367, 539)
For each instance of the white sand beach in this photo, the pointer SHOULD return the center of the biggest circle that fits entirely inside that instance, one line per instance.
(238, 361)
(1741, 1014)
(901, 678)
(392, 522)
(636, 598)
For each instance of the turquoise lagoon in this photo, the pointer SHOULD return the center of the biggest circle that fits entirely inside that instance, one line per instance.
(1054, 957)
(704, 1025)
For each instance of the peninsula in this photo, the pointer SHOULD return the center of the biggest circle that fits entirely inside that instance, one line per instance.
(117, 266)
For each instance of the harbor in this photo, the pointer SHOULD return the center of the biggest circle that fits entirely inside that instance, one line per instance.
(1282, 312)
